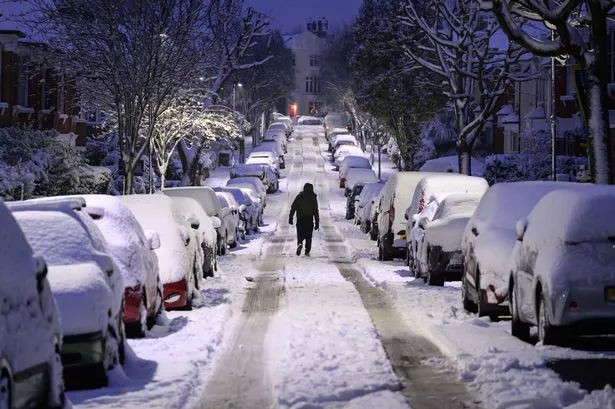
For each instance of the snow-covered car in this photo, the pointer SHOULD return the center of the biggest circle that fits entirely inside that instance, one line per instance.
(31, 336)
(335, 119)
(259, 168)
(374, 231)
(265, 157)
(343, 151)
(333, 133)
(337, 139)
(364, 203)
(133, 250)
(489, 238)
(438, 253)
(356, 175)
(275, 148)
(395, 196)
(230, 218)
(351, 162)
(439, 184)
(253, 184)
(563, 266)
(344, 140)
(280, 126)
(250, 214)
(85, 282)
(357, 188)
(309, 121)
(414, 236)
(206, 232)
(209, 201)
(179, 271)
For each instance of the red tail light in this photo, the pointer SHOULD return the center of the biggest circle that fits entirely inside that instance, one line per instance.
(343, 182)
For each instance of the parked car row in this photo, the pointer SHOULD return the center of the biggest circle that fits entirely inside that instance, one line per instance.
(82, 273)
(540, 252)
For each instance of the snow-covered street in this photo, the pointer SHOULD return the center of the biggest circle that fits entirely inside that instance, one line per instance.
(337, 329)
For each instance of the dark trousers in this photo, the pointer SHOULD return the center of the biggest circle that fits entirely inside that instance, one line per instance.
(305, 227)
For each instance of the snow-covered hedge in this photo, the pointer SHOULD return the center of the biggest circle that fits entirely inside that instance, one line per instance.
(515, 167)
(37, 163)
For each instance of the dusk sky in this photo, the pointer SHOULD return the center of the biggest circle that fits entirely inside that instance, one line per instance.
(288, 14)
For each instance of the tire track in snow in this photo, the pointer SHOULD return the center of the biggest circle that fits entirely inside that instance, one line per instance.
(241, 379)
(424, 385)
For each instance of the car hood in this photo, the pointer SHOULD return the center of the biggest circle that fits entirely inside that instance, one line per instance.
(83, 297)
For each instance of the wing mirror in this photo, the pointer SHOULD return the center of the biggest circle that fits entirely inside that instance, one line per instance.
(153, 239)
(41, 273)
(192, 220)
(520, 229)
(423, 222)
(185, 235)
(216, 222)
(242, 208)
(474, 231)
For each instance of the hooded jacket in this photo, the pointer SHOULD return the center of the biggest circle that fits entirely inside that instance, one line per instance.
(305, 205)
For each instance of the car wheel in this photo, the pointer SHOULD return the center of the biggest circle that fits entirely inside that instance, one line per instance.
(383, 253)
(6, 390)
(518, 328)
(223, 246)
(234, 243)
(159, 306)
(546, 333)
(57, 396)
(121, 348)
(138, 330)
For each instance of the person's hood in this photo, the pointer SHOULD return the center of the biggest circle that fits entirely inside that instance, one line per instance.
(308, 188)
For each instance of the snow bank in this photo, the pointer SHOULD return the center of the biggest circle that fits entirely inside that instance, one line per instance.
(322, 344)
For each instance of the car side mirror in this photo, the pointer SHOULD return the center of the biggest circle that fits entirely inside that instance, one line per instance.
(185, 235)
(520, 229)
(41, 273)
(423, 222)
(474, 231)
(192, 220)
(242, 208)
(216, 222)
(153, 239)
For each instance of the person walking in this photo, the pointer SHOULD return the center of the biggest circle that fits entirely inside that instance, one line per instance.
(306, 207)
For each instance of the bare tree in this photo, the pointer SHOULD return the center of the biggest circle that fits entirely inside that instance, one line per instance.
(233, 32)
(455, 41)
(580, 31)
(135, 55)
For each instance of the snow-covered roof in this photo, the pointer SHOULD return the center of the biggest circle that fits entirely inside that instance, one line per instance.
(505, 110)
(511, 119)
(536, 113)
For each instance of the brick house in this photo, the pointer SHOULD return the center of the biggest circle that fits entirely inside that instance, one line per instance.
(37, 95)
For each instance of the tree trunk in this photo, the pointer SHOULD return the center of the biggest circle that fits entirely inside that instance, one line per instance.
(596, 69)
(185, 161)
(464, 156)
(129, 172)
(163, 175)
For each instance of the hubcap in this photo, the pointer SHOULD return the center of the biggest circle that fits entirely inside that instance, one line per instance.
(5, 393)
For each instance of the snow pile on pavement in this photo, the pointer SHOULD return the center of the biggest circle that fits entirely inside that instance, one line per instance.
(323, 346)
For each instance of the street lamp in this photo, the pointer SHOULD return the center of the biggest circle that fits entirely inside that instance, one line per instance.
(235, 85)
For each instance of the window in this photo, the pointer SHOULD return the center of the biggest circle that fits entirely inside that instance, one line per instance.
(513, 143)
(22, 82)
(612, 55)
(315, 107)
(314, 60)
(309, 84)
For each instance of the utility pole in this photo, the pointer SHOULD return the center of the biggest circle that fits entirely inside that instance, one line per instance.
(553, 116)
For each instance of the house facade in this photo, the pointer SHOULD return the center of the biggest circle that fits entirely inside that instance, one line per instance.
(308, 48)
(35, 94)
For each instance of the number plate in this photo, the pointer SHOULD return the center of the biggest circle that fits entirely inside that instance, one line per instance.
(610, 294)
